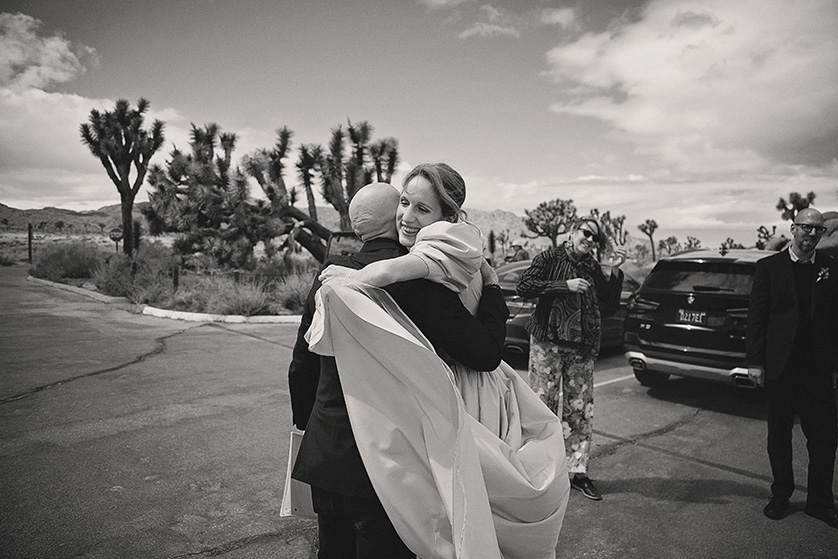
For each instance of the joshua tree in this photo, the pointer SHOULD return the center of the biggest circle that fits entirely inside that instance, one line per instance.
(728, 245)
(357, 173)
(268, 168)
(641, 251)
(551, 219)
(670, 245)
(385, 157)
(692, 243)
(788, 210)
(118, 139)
(764, 236)
(343, 176)
(206, 201)
(503, 239)
(311, 157)
(612, 226)
(648, 229)
(340, 176)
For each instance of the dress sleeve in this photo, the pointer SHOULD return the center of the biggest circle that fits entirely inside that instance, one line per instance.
(452, 252)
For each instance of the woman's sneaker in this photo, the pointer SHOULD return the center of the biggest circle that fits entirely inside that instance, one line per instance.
(581, 483)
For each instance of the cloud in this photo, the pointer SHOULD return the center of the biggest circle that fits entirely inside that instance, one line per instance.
(492, 14)
(482, 29)
(498, 23)
(27, 60)
(43, 161)
(42, 158)
(441, 4)
(731, 87)
(564, 17)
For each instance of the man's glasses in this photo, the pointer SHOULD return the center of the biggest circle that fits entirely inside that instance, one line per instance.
(590, 235)
(807, 228)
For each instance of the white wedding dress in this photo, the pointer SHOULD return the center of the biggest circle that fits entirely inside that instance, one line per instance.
(468, 465)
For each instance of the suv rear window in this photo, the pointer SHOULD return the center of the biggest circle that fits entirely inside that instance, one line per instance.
(711, 277)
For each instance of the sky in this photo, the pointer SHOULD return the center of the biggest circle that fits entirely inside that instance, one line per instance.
(699, 114)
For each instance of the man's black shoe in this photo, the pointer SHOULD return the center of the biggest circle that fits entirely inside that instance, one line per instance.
(776, 507)
(830, 516)
(581, 483)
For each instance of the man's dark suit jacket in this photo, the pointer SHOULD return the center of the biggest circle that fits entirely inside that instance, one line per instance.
(773, 314)
(328, 457)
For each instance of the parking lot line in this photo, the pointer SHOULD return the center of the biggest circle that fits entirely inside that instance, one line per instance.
(613, 380)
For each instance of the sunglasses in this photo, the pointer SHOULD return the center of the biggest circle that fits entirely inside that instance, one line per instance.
(590, 235)
(807, 228)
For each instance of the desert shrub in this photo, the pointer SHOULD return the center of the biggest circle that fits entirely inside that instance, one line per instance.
(220, 294)
(113, 276)
(274, 271)
(291, 293)
(77, 259)
(144, 279)
(6, 260)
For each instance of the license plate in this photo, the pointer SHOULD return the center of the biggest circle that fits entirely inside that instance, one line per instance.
(692, 317)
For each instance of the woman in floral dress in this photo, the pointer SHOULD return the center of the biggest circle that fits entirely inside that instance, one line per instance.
(565, 333)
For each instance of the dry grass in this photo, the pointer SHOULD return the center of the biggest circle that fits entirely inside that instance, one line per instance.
(215, 294)
(14, 245)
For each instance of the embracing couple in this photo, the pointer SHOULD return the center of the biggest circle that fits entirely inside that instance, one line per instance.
(419, 440)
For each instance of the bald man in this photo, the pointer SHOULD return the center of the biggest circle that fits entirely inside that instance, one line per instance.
(792, 349)
(351, 520)
(372, 212)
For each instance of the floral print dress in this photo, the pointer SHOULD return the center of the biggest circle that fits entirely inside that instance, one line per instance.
(565, 334)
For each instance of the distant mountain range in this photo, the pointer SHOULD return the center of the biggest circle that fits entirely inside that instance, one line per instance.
(108, 217)
(48, 219)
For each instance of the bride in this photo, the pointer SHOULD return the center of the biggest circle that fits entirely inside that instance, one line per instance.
(466, 463)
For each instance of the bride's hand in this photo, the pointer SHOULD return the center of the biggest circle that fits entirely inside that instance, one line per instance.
(334, 271)
(489, 274)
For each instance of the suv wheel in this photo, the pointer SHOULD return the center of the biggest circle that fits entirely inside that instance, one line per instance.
(650, 378)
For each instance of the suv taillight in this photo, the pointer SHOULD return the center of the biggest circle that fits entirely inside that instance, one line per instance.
(639, 304)
(738, 314)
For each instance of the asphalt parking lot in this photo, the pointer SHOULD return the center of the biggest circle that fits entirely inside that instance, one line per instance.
(133, 436)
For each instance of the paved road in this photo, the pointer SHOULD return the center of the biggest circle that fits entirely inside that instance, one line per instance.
(130, 436)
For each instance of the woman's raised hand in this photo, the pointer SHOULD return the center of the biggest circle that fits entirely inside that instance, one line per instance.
(618, 255)
(334, 271)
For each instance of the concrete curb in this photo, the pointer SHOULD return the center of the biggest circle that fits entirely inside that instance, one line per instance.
(205, 317)
(174, 315)
(80, 291)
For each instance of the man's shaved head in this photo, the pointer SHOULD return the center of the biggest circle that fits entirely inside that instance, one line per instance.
(373, 211)
(807, 230)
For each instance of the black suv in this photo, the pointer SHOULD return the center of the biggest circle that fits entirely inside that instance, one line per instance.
(689, 317)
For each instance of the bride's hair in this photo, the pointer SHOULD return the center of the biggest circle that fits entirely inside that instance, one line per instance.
(448, 185)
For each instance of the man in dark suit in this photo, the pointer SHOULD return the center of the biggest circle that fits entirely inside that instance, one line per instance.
(352, 522)
(792, 349)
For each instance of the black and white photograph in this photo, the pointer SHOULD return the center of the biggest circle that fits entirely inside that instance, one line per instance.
(418, 279)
